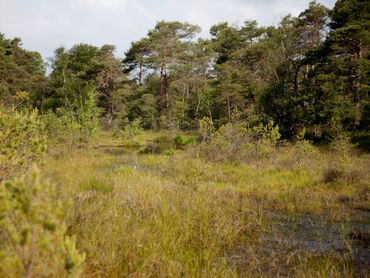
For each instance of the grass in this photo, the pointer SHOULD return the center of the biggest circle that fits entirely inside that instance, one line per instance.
(155, 215)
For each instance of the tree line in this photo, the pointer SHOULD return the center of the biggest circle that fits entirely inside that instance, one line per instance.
(309, 75)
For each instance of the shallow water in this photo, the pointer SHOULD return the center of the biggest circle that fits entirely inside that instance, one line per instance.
(289, 236)
(315, 235)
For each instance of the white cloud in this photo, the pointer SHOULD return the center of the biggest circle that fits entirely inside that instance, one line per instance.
(102, 3)
(45, 25)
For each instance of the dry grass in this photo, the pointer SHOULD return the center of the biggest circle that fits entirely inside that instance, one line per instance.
(161, 216)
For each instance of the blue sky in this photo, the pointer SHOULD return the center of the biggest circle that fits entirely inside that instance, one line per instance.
(44, 25)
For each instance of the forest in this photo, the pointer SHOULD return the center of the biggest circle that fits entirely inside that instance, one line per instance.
(240, 154)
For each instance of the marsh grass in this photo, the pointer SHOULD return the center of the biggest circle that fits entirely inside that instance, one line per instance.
(158, 215)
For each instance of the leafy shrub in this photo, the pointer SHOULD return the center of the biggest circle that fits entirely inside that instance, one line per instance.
(343, 148)
(87, 115)
(238, 142)
(32, 237)
(206, 128)
(22, 141)
(132, 128)
(299, 154)
(73, 125)
(62, 127)
(165, 122)
(181, 141)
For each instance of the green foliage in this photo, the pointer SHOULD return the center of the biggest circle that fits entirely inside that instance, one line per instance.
(268, 133)
(238, 142)
(336, 90)
(71, 76)
(181, 141)
(87, 115)
(22, 74)
(73, 125)
(179, 112)
(132, 128)
(33, 241)
(206, 128)
(309, 73)
(79, 71)
(108, 77)
(61, 127)
(168, 50)
(22, 141)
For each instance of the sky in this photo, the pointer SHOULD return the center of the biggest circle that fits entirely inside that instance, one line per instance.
(44, 25)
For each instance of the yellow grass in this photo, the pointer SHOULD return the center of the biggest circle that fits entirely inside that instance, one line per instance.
(171, 216)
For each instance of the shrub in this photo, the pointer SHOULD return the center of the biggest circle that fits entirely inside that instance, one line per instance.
(62, 127)
(237, 142)
(87, 115)
(206, 128)
(132, 128)
(345, 175)
(32, 238)
(181, 141)
(73, 125)
(343, 148)
(22, 141)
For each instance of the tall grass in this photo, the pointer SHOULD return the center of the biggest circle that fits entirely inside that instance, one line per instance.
(178, 215)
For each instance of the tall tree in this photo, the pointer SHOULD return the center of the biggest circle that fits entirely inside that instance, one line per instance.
(168, 40)
(160, 53)
(340, 80)
(287, 98)
(22, 74)
(136, 60)
(235, 70)
(349, 43)
(108, 78)
(71, 76)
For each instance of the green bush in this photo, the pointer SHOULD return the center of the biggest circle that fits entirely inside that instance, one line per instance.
(132, 128)
(181, 141)
(62, 127)
(32, 232)
(206, 128)
(87, 115)
(238, 142)
(22, 141)
(73, 125)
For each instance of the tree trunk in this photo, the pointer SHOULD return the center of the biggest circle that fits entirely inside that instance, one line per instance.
(140, 74)
(358, 87)
(228, 107)
(164, 84)
(64, 86)
(296, 81)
